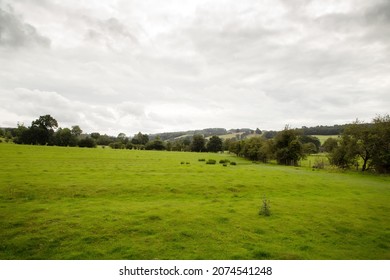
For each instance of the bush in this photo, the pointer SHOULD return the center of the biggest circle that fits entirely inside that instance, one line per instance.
(87, 143)
(265, 208)
(129, 146)
(224, 161)
(211, 161)
(201, 159)
(117, 145)
(233, 163)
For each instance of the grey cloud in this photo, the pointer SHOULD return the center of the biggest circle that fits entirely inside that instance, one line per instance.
(131, 109)
(16, 33)
(111, 32)
(380, 13)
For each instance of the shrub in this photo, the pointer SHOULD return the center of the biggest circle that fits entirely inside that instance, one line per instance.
(211, 161)
(233, 163)
(224, 161)
(117, 145)
(87, 143)
(201, 159)
(265, 208)
(225, 164)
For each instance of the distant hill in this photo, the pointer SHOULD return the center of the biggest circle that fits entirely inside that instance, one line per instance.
(242, 133)
(239, 133)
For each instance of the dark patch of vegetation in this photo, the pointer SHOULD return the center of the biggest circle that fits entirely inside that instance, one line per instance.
(265, 209)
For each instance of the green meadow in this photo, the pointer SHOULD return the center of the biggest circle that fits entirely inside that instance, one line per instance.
(74, 203)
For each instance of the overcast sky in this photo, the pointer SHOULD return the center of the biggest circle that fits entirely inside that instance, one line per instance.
(158, 66)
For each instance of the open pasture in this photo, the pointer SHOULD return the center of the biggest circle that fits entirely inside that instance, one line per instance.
(73, 203)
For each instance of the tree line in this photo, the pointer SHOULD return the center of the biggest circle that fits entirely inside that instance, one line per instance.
(360, 145)
(365, 145)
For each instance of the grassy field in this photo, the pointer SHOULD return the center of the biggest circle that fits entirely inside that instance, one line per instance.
(323, 138)
(72, 203)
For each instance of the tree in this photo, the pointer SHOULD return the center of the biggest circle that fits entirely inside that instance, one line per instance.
(330, 144)
(344, 155)
(42, 130)
(103, 140)
(156, 144)
(236, 147)
(140, 139)
(256, 148)
(64, 137)
(306, 139)
(381, 151)
(47, 122)
(95, 135)
(198, 143)
(369, 142)
(76, 131)
(361, 141)
(288, 149)
(309, 148)
(23, 135)
(269, 134)
(214, 144)
(87, 142)
(117, 145)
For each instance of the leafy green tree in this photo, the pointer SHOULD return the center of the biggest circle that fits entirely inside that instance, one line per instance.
(76, 131)
(306, 139)
(198, 143)
(140, 139)
(226, 143)
(309, 148)
(103, 140)
(368, 142)
(362, 141)
(64, 137)
(117, 145)
(42, 130)
(236, 147)
(95, 135)
(381, 150)
(269, 134)
(344, 155)
(256, 148)
(156, 144)
(214, 145)
(330, 144)
(122, 138)
(47, 122)
(287, 147)
(87, 142)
